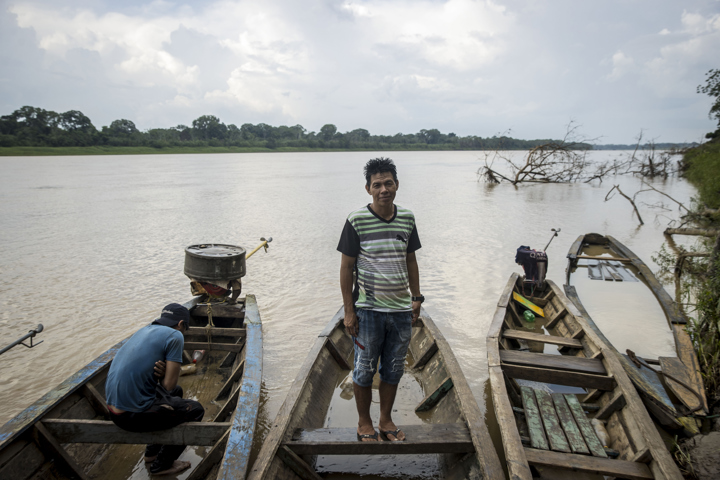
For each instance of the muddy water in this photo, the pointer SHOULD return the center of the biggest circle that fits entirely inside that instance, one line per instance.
(92, 247)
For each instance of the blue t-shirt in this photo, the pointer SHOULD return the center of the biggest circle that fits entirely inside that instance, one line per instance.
(130, 384)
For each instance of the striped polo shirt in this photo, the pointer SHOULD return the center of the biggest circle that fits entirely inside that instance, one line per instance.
(380, 248)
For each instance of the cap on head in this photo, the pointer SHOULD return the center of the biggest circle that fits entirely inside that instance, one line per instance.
(172, 314)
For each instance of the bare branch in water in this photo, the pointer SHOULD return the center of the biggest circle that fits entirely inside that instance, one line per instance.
(663, 193)
(632, 202)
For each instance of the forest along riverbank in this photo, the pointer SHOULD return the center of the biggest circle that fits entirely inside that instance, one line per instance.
(94, 247)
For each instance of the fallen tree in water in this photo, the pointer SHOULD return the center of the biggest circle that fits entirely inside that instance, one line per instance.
(565, 161)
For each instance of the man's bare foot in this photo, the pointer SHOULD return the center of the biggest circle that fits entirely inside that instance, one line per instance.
(150, 459)
(177, 467)
(391, 433)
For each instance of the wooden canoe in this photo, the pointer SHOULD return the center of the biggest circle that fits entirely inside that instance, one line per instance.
(665, 399)
(452, 426)
(67, 434)
(546, 428)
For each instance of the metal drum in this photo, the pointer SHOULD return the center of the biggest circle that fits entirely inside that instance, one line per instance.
(214, 261)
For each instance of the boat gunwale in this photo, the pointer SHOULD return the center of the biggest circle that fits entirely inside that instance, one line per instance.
(675, 318)
(485, 452)
(661, 463)
(14, 429)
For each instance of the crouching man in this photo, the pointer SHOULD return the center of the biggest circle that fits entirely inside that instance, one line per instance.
(138, 401)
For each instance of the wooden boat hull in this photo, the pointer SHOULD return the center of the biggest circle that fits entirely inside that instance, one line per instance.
(655, 393)
(455, 429)
(521, 374)
(66, 434)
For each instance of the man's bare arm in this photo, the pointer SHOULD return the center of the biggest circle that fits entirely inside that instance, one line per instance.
(347, 266)
(172, 373)
(414, 277)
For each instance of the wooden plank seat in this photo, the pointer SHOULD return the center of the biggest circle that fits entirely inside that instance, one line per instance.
(593, 366)
(557, 422)
(223, 347)
(588, 464)
(217, 332)
(101, 431)
(420, 439)
(539, 337)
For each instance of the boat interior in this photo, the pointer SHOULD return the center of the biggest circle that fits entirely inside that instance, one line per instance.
(436, 412)
(564, 405)
(68, 433)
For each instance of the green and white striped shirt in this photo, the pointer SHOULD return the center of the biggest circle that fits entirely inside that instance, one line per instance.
(380, 248)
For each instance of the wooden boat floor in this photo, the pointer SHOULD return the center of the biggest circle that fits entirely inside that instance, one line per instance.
(342, 415)
(558, 422)
(427, 438)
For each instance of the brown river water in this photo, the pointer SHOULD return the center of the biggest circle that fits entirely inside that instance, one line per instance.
(92, 248)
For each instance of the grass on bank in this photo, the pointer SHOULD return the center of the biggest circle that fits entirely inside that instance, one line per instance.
(702, 168)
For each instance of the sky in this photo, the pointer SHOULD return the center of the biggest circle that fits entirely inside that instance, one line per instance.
(526, 68)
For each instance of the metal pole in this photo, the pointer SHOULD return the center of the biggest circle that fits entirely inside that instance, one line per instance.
(551, 238)
(20, 340)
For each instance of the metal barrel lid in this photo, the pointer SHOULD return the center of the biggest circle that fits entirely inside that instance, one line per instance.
(214, 250)
(214, 261)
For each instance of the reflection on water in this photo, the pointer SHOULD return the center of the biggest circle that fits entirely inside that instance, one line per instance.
(343, 413)
(93, 248)
(627, 312)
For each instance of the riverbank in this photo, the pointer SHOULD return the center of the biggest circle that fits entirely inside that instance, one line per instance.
(27, 151)
(697, 278)
(110, 150)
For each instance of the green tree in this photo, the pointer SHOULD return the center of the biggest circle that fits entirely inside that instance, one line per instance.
(430, 136)
(122, 128)
(328, 131)
(208, 127)
(712, 89)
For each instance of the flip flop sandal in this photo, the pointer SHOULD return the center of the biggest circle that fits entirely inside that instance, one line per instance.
(374, 436)
(384, 434)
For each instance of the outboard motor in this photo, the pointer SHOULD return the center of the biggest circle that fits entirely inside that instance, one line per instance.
(215, 269)
(534, 263)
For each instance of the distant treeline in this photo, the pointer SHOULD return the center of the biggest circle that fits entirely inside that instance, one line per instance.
(35, 127)
(645, 146)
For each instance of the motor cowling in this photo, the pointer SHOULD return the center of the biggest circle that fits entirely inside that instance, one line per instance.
(534, 263)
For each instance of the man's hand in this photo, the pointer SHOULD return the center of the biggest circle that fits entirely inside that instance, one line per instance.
(351, 323)
(415, 311)
(159, 370)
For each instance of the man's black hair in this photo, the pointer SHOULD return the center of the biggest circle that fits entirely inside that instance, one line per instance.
(379, 165)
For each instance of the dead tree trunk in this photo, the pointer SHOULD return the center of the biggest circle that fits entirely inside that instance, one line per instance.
(699, 232)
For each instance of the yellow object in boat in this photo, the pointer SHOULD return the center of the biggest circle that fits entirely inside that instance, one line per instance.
(524, 301)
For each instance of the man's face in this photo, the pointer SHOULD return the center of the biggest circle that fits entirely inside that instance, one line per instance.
(382, 188)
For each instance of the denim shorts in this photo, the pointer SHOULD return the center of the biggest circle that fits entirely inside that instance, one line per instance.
(383, 336)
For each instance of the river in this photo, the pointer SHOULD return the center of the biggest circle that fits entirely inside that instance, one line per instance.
(93, 247)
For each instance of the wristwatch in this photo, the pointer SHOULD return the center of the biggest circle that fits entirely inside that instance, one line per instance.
(420, 299)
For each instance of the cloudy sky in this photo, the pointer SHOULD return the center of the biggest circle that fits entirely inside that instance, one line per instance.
(463, 66)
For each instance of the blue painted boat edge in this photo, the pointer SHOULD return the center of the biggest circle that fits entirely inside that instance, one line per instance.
(237, 452)
(28, 417)
(32, 414)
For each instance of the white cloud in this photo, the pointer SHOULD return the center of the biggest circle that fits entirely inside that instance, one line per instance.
(621, 65)
(469, 66)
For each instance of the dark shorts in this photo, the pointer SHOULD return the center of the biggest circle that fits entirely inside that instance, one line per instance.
(169, 410)
(383, 337)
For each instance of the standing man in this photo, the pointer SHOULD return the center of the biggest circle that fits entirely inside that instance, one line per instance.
(138, 402)
(378, 245)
